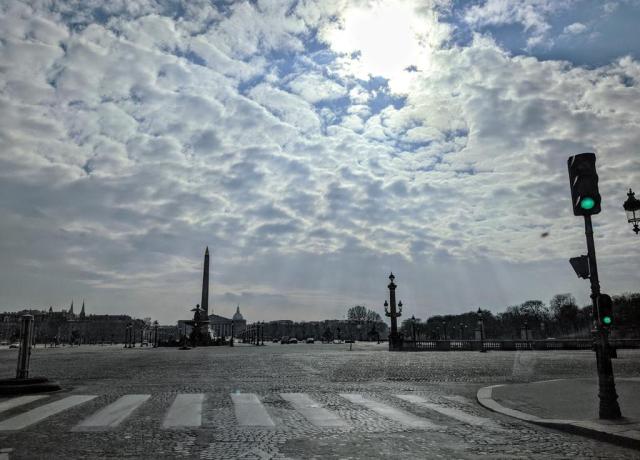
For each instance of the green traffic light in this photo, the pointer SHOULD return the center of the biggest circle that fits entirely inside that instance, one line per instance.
(587, 203)
(606, 320)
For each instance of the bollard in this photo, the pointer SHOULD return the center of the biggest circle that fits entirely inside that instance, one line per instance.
(24, 353)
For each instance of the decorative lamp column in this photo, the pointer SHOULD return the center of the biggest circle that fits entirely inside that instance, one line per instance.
(481, 329)
(413, 327)
(393, 313)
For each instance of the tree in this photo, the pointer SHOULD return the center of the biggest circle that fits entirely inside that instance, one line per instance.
(565, 311)
(357, 313)
(535, 309)
(562, 303)
(373, 316)
(360, 313)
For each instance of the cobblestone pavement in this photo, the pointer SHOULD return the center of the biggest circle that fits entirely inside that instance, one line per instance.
(450, 424)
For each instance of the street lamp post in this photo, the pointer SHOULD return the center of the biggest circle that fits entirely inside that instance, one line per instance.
(632, 208)
(444, 328)
(481, 327)
(413, 327)
(155, 334)
(392, 313)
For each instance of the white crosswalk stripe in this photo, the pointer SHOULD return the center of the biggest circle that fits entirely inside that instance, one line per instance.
(250, 411)
(40, 413)
(186, 411)
(398, 415)
(19, 401)
(112, 415)
(452, 412)
(312, 411)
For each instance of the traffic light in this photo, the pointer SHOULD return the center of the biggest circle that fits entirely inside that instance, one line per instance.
(583, 180)
(580, 265)
(605, 310)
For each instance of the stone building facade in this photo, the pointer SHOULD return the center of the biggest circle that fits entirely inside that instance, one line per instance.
(68, 327)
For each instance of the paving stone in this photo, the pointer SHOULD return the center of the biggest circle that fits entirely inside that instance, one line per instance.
(322, 372)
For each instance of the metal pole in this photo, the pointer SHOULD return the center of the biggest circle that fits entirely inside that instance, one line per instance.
(24, 353)
(609, 408)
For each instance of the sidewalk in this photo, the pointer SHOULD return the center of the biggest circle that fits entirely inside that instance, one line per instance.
(570, 405)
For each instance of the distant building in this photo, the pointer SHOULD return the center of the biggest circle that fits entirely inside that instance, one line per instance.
(67, 327)
(221, 326)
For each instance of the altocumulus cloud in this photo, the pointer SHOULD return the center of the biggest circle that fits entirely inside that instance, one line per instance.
(310, 160)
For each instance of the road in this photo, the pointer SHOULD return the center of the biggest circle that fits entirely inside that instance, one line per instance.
(299, 401)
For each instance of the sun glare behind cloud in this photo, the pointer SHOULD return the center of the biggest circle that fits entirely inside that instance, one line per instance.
(382, 39)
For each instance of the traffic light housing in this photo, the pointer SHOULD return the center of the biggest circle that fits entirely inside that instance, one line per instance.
(605, 310)
(583, 180)
(580, 265)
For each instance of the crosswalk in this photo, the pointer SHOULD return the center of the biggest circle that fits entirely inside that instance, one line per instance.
(186, 411)
(112, 415)
(250, 411)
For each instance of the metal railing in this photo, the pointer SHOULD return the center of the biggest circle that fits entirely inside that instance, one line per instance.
(509, 345)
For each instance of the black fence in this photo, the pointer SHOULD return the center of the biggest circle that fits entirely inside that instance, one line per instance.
(509, 345)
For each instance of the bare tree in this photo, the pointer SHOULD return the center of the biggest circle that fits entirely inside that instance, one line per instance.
(357, 313)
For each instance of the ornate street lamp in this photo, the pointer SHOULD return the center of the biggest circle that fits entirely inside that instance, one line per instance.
(632, 208)
(413, 327)
(481, 327)
(392, 313)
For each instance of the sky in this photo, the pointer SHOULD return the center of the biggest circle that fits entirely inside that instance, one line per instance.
(314, 146)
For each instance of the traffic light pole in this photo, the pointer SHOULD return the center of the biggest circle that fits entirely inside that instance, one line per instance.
(609, 408)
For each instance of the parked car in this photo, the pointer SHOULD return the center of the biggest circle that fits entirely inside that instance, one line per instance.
(284, 340)
(14, 345)
(4, 342)
(337, 341)
(293, 340)
(349, 341)
(275, 341)
(310, 340)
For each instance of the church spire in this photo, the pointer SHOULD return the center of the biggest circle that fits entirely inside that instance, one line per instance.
(71, 309)
(82, 311)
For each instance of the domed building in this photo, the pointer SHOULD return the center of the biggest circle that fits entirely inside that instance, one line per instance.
(221, 326)
(237, 316)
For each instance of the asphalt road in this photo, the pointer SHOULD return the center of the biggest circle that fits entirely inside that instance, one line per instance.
(287, 401)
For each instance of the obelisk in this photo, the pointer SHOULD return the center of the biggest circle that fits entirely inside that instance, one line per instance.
(204, 303)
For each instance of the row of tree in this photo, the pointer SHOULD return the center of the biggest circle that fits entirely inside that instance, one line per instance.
(328, 330)
(533, 319)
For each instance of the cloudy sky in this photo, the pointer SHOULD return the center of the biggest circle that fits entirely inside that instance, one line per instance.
(314, 146)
